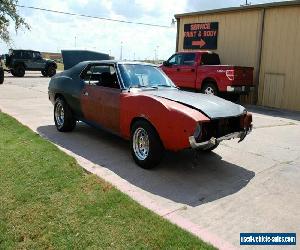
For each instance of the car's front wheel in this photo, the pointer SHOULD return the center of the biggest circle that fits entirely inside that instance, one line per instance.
(146, 147)
(63, 116)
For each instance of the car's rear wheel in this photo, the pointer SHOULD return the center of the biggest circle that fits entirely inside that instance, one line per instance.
(51, 70)
(1, 75)
(209, 88)
(63, 116)
(18, 70)
(146, 147)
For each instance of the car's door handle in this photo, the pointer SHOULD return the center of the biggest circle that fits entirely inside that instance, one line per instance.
(178, 69)
(193, 70)
(86, 93)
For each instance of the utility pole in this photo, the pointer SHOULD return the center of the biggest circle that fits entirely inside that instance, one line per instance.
(246, 4)
(121, 52)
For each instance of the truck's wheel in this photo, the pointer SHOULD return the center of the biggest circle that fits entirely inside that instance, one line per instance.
(209, 88)
(51, 71)
(146, 147)
(19, 70)
(63, 116)
(1, 75)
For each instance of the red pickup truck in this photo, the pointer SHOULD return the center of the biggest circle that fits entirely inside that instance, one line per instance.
(202, 71)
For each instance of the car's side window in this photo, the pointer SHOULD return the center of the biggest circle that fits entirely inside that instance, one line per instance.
(36, 55)
(101, 75)
(86, 74)
(188, 59)
(175, 59)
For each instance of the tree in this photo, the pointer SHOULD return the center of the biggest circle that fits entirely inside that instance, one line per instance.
(9, 14)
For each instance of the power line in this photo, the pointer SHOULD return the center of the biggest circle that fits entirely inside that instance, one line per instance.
(94, 17)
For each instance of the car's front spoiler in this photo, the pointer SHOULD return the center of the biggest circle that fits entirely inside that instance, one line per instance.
(213, 141)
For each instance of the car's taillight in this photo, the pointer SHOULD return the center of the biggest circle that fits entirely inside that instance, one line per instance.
(230, 74)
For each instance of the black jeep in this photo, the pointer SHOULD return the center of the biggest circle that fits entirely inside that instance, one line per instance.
(18, 61)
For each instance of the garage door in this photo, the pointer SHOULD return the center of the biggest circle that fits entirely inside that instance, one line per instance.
(273, 90)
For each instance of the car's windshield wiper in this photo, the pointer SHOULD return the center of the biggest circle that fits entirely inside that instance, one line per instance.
(164, 85)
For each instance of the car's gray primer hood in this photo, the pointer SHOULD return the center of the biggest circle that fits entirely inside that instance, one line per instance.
(212, 106)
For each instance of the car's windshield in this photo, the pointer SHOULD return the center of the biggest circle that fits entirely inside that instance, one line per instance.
(143, 76)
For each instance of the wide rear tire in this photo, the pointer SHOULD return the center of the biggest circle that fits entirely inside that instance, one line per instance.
(146, 147)
(63, 116)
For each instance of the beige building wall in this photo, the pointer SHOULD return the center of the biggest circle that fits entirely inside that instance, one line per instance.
(279, 84)
(240, 41)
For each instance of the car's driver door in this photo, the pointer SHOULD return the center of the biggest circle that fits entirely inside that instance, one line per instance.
(100, 98)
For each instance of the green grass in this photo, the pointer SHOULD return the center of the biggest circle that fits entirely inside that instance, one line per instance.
(47, 201)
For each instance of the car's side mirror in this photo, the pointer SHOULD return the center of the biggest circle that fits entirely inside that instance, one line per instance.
(166, 64)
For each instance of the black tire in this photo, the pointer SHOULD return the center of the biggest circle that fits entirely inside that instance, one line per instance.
(19, 70)
(66, 123)
(13, 72)
(44, 73)
(210, 88)
(1, 75)
(51, 70)
(155, 150)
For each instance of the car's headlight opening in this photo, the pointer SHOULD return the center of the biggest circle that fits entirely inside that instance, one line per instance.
(198, 131)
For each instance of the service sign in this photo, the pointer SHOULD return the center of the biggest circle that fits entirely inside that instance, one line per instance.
(201, 35)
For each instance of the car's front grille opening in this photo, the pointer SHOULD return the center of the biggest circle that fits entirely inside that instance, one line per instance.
(219, 127)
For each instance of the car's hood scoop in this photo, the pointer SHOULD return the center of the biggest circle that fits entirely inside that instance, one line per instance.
(212, 106)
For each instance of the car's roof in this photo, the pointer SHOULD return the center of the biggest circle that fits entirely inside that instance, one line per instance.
(25, 50)
(118, 62)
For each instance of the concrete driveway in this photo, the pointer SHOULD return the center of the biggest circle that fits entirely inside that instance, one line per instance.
(253, 186)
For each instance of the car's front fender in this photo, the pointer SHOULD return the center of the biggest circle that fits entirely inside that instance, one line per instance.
(173, 122)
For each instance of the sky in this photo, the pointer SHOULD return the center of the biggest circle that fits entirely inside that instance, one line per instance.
(53, 32)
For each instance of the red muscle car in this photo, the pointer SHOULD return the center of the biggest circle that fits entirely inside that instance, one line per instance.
(140, 103)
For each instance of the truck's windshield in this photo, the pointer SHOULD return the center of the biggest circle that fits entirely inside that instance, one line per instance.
(210, 59)
(147, 76)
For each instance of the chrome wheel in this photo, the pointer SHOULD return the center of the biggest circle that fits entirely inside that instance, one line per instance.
(59, 115)
(140, 143)
(209, 91)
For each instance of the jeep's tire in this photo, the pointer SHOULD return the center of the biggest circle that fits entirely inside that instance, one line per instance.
(146, 147)
(18, 70)
(51, 70)
(1, 75)
(13, 72)
(44, 73)
(209, 88)
(63, 116)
